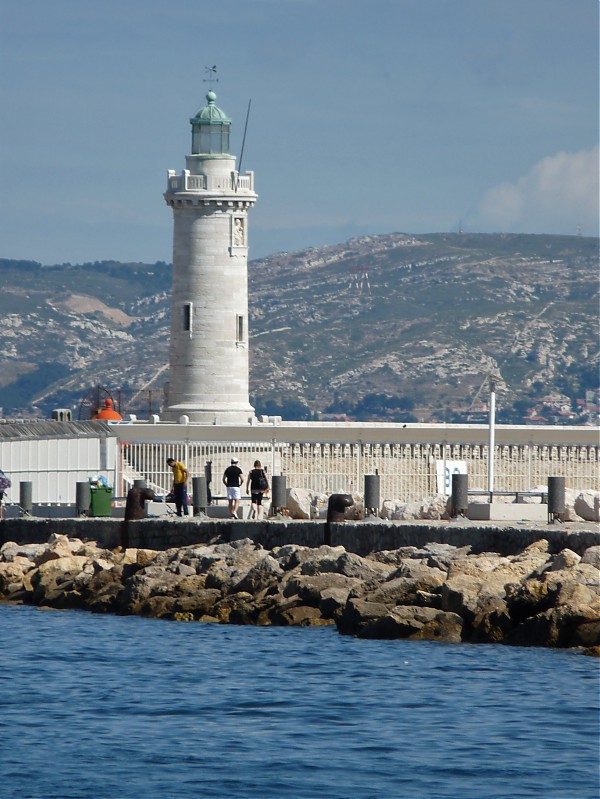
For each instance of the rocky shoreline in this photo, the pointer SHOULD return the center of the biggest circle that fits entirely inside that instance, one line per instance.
(438, 592)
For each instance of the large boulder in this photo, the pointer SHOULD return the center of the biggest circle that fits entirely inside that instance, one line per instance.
(392, 509)
(15, 586)
(12, 574)
(569, 514)
(420, 623)
(581, 573)
(309, 588)
(587, 634)
(476, 565)
(592, 556)
(227, 572)
(332, 602)
(423, 577)
(290, 556)
(149, 581)
(319, 505)
(531, 561)
(265, 573)
(11, 550)
(587, 505)
(53, 582)
(560, 626)
(346, 563)
(316, 561)
(59, 546)
(305, 504)
(491, 621)
(528, 598)
(101, 593)
(460, 595)
(197, 604)
(397, 510)
(359, 613)
(413, 622)
(298, 616)
(299, 501)
(432, 507)
(404, 591)
(565, 559)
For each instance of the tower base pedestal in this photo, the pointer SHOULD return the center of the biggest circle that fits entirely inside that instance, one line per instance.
(215, 416)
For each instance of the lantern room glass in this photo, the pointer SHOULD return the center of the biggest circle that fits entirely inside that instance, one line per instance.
(210, 139)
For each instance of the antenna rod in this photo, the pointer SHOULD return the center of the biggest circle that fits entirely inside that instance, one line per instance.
(243, 140)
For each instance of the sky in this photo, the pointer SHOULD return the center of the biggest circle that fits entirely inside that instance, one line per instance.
(366, 116)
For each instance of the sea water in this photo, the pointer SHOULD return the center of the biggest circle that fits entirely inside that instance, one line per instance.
(108, 707)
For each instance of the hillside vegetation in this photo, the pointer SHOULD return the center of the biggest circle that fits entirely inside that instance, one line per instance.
(390, 327)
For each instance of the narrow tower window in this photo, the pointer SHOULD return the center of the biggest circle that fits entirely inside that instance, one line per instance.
(187, 317)
(239, 329)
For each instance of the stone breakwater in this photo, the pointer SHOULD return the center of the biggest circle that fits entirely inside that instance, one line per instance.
(438, 591)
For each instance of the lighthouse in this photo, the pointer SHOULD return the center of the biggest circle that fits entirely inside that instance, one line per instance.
(208, 355)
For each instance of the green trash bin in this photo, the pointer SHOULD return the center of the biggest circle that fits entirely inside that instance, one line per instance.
(101, 501)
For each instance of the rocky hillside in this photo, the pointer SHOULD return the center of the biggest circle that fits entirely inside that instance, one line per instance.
(390, 327)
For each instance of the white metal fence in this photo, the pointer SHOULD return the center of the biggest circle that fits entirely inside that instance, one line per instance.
(407, 471)
(322, 458)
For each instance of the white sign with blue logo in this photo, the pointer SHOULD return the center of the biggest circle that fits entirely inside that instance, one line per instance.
(444, 471)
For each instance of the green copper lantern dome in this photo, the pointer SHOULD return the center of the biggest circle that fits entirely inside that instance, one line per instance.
(211, 114)
(210, 130)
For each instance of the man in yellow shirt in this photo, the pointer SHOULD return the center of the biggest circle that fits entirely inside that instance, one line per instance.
(180, 478)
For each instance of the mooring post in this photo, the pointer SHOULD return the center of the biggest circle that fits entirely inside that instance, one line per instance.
(556, 498)
(199, 495)
(82, 498)
(25, 498)
(278, 493)
(460, 495)
(371, 502)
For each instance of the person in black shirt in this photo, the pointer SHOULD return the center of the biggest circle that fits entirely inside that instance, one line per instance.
(232, 479)
(258, 484)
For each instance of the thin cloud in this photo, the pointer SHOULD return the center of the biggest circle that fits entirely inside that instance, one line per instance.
(559, 194)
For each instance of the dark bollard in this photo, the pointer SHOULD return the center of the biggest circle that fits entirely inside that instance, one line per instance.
(25, 498)
(336, 508)
(136, 506)
(278, 493)
(199, 495)
(556, 498)
(208, 476)
(83, 498)
(372, 503)
(460, 495)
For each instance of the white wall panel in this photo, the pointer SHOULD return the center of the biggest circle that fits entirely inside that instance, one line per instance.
(53, 466)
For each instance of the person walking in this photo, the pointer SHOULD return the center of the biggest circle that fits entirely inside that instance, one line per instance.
(4, 484)
(179, 490)
(232, 480)
(258, 484)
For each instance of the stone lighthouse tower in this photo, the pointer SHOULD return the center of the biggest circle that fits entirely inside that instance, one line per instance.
(209, 325)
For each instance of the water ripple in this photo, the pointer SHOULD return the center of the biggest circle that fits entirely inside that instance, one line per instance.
(122, 707)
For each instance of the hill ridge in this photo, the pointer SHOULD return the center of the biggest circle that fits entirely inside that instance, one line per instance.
(392, 327)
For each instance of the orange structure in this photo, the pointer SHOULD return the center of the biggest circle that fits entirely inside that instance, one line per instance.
(107, 412)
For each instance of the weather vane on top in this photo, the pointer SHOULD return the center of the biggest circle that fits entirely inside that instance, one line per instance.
(212, 74)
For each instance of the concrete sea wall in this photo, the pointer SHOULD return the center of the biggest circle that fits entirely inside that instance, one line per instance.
(361, 537)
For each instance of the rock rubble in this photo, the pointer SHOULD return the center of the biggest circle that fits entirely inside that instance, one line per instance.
(305, 504)
(437, 592)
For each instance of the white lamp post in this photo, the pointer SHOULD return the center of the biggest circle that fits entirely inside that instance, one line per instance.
(492, 438)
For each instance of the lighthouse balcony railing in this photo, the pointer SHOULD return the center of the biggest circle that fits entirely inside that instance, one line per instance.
(188, 182)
